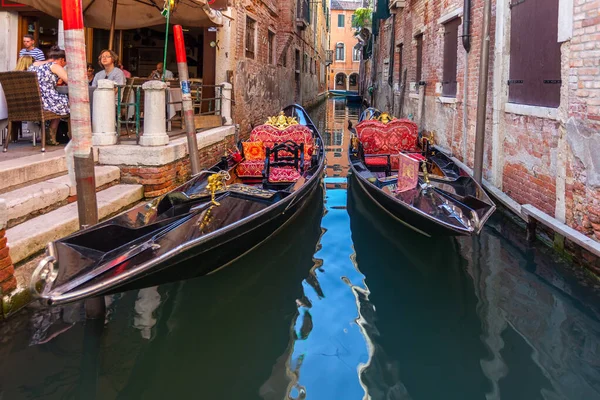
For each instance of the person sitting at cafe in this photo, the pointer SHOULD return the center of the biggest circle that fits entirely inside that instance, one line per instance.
(30, 49)
(125, 72)
(158, 73)
(108, 60)
(90, 74)
(48, 75)
(23, 63)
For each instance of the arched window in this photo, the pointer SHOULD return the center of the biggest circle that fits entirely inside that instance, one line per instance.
(339, 52)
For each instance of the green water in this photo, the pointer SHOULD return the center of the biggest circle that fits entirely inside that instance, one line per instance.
(341, 304)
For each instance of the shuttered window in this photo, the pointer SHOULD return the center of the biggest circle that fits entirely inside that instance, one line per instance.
(340, 52)
(341, 20)
(250, 37)
(419, 40)
(450, 52)
(534, 77)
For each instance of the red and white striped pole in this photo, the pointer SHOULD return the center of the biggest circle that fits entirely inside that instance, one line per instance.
(81, 130)
(186, 98)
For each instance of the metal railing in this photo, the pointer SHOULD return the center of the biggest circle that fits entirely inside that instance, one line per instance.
(132, 96)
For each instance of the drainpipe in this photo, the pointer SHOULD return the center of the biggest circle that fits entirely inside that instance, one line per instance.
(482, 92)
(466, 42)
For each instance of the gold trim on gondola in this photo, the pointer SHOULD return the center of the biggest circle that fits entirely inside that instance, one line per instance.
(385, 118)
(281, 122)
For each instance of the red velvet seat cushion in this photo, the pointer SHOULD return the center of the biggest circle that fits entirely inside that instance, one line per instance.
(283, 175)
(376, 161)
(251, 169)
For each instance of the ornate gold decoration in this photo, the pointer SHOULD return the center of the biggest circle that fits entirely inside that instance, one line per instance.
(281, 122)
(425, 172)
(430, 137)
(354, 142)
(385, 118)
(216, 182)
(206, 220)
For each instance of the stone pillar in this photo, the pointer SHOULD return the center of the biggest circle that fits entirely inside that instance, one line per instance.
(155, 114)
(104, 114)
(8, 283)
(226, 95)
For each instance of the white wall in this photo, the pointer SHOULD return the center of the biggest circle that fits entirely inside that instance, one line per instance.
(9, 25)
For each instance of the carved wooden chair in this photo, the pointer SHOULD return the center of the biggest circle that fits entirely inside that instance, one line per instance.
(24, 102)
(284, 164)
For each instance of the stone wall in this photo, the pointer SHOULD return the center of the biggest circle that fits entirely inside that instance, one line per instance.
(539, 156)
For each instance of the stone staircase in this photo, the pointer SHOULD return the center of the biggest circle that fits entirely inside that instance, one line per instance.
(41, 203)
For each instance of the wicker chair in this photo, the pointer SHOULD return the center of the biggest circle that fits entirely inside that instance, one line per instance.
(24, 101)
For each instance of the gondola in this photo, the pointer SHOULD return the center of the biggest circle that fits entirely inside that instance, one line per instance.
(342, 93)
(434, 196)
(211, 220)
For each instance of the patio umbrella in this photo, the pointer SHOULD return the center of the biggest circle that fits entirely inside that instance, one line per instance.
(132, 14)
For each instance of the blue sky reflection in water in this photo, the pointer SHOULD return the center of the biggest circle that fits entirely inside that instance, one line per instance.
(339, 305)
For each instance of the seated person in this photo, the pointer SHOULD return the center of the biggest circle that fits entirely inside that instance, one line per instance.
(90, 74)
(125, 72)
(157, 73)
(23, 63)
(108, 60)
(48, 75)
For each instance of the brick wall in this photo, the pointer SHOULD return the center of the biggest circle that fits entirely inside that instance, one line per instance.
(550, 163)
(8, 282)
(160, 180)
(262, 88)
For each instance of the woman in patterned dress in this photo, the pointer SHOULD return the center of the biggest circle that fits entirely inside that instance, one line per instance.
(48, 73)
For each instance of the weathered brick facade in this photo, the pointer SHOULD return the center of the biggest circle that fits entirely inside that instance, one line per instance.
(262, 86)
(160, 180)
(7, 280)
(537, 155)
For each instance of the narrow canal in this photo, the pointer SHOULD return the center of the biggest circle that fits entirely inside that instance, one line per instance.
(341, 304)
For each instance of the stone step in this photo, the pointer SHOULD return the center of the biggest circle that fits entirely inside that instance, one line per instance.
(33, 200)
(22, 170)
(32, 236)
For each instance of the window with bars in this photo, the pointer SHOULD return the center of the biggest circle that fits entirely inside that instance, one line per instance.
(534, 76)
(341, 21)
(449, 83)
(339, 52)
(250, 37)
(419, 40)
(271, 44)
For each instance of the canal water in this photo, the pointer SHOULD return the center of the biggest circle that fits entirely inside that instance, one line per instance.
(341, 304)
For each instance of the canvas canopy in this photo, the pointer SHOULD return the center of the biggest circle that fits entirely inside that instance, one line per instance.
(132, 14)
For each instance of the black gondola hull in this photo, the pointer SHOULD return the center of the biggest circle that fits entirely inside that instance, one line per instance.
(181, 235)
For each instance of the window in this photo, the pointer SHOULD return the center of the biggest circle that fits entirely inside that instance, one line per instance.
(341, 21)
(400, 49)
(271, 43)
(534, 77)
(419, 40)
(305, 63)
(250, 37)
(353, 80)
(450, 52)
(339, 52)
(297, 60)
(356, 53)
(284, 57)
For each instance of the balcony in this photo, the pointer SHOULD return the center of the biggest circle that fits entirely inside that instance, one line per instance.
(328, 57)
(397, 4)
(303, 14)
